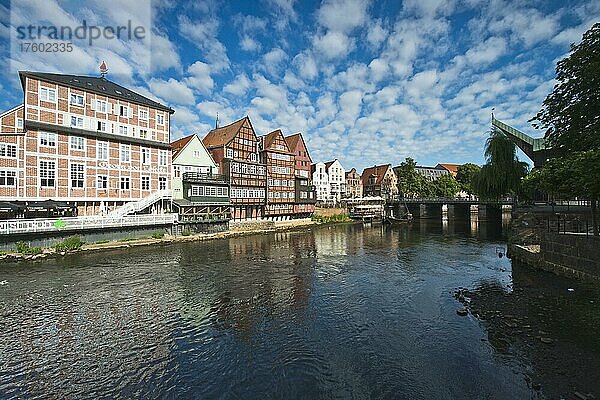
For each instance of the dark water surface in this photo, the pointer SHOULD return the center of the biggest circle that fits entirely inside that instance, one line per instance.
(346, 312)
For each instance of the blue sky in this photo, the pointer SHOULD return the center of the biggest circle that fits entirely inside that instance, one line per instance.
(367, 82)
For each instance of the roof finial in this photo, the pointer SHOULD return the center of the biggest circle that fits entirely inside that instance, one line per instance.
(103, 69)
(217, 121)
(493, 108)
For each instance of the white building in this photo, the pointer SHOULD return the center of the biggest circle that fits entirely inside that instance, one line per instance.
(330, 181)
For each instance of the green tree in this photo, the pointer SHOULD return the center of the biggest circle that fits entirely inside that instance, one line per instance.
(502, 174)
(445, 186)
(570, 115)
(410, 182)
(465, 175)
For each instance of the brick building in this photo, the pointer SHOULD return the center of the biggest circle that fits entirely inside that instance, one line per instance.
(354, 187)
(235, 149)
(280, 163)
(380, 180)
(84, 140)
(305, 192)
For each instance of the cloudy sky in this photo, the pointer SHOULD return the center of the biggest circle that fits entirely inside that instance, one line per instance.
(365, 81)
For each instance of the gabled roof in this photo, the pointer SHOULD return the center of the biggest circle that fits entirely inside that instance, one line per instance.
(96, 85)
(452, 168)
(11, 110)
(293, 140)
(224, 134)
(269, 138)
(378, 171)
(178, 145)
(352, 171)
(329, 163)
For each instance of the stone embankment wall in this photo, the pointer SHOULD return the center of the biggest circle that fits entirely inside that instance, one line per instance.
(534, 240)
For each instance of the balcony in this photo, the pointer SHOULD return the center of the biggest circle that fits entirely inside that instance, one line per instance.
(199, 177)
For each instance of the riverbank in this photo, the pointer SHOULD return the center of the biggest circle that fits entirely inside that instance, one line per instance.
(240, 228)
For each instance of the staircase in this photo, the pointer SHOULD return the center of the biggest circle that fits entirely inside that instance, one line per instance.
(137, 206)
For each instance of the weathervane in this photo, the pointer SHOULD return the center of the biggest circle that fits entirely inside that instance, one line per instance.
(103, 69)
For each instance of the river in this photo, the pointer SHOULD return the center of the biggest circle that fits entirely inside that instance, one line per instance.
(344, 311)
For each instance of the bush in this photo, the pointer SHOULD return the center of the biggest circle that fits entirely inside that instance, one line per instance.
(69, 244)
(158, 235)
(186, 232)
(332, 218)
(26, 248)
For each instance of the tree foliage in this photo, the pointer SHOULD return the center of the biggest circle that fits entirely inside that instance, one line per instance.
(413, 184)
(465, 175)
(502, 174)
(445, 186)
(570, 115)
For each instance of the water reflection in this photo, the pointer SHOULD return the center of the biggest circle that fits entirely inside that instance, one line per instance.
(333, 312)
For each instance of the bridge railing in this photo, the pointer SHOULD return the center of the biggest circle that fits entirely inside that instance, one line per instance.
(444, 200)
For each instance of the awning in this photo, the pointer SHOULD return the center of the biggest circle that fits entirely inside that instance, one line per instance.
(6, 206)
(48, 205)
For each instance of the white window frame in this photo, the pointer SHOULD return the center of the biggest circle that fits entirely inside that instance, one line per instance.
(101, 126)
(102, 106)
(160, 118)
(75, 141)
(162, 183)
(103, 181)
(78, 121)
(143, 114)
(78, 171)
(144, 133)
(146, 179)
(102, 150)
(123, 130)
(47, 94)
(77, 97)
(5, 152)
(50, 173)
(49, 137)
(7, 174)
(162, 158)
(124, 179)
(125, 149)
(143, 159)
(19, 123)
(125, 110)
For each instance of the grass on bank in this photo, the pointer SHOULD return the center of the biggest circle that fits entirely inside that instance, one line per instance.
(331, 218)
(27, 249)
(71, 243)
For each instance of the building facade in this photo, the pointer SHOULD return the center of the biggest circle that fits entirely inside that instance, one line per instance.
(200, 192)
(305, 192)
(380, 180)
(84, 140)
(354, 187)
(321, 181)
(235, 149)
(431, 173)
(452, 168)
(280, 163)
(337, 181)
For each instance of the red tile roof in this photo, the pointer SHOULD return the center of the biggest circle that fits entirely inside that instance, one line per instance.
(269, 138)
(224, 134)
(292, 140)
(452, 168)
(378, 170)
(177, 145)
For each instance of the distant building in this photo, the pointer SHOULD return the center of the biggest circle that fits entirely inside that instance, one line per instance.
(321, 181)
(235, 149)
(380, 180)
(431, 173)
(354, 187)
(337, 181)
(452, 168)
(279, 160)
(200, 192)
(305, 191)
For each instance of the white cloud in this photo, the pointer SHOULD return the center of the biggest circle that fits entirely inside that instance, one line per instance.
(306, 65)
(343, 15)
(172, 90)
(200, 78)
(239, 86)
(376, 34)
(204, 34)
(333, 44)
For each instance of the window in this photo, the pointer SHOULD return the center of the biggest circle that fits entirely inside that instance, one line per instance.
(102, 182)
(77, 99)
(176, 171)
(123, 130)
(101, 126)
(229, 153)
(143, 133)
(124, 111)
(125, 153)
(143, 114)
(48, 139)
(162, 158)
(19, 123)
(77, 143)
(47, 173)
(101, 106)
(76, 121)
(197, 153)
(77, 175)
(145, 183)
(162, 183)
(47, 94)
(8, 150)
(253, 157)
(145, 156)
(102, 150)
(160, 119)
(8, 178)
(124, 183)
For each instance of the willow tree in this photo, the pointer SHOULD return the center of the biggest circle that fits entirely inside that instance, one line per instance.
(503, 171)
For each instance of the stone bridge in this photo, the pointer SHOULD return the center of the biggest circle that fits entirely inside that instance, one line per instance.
(436, 208)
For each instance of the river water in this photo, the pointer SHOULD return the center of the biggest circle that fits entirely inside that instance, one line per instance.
(345, 311)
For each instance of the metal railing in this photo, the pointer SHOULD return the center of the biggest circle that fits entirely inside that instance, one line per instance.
(38, 225)
(568, 224)
(136, 206)
(199, 176)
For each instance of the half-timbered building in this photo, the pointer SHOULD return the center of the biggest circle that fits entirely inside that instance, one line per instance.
(280, 164)
(235, 149)
(354, 187)
(200, 192)
(305, 191)
(86, 141)
(380, 180)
